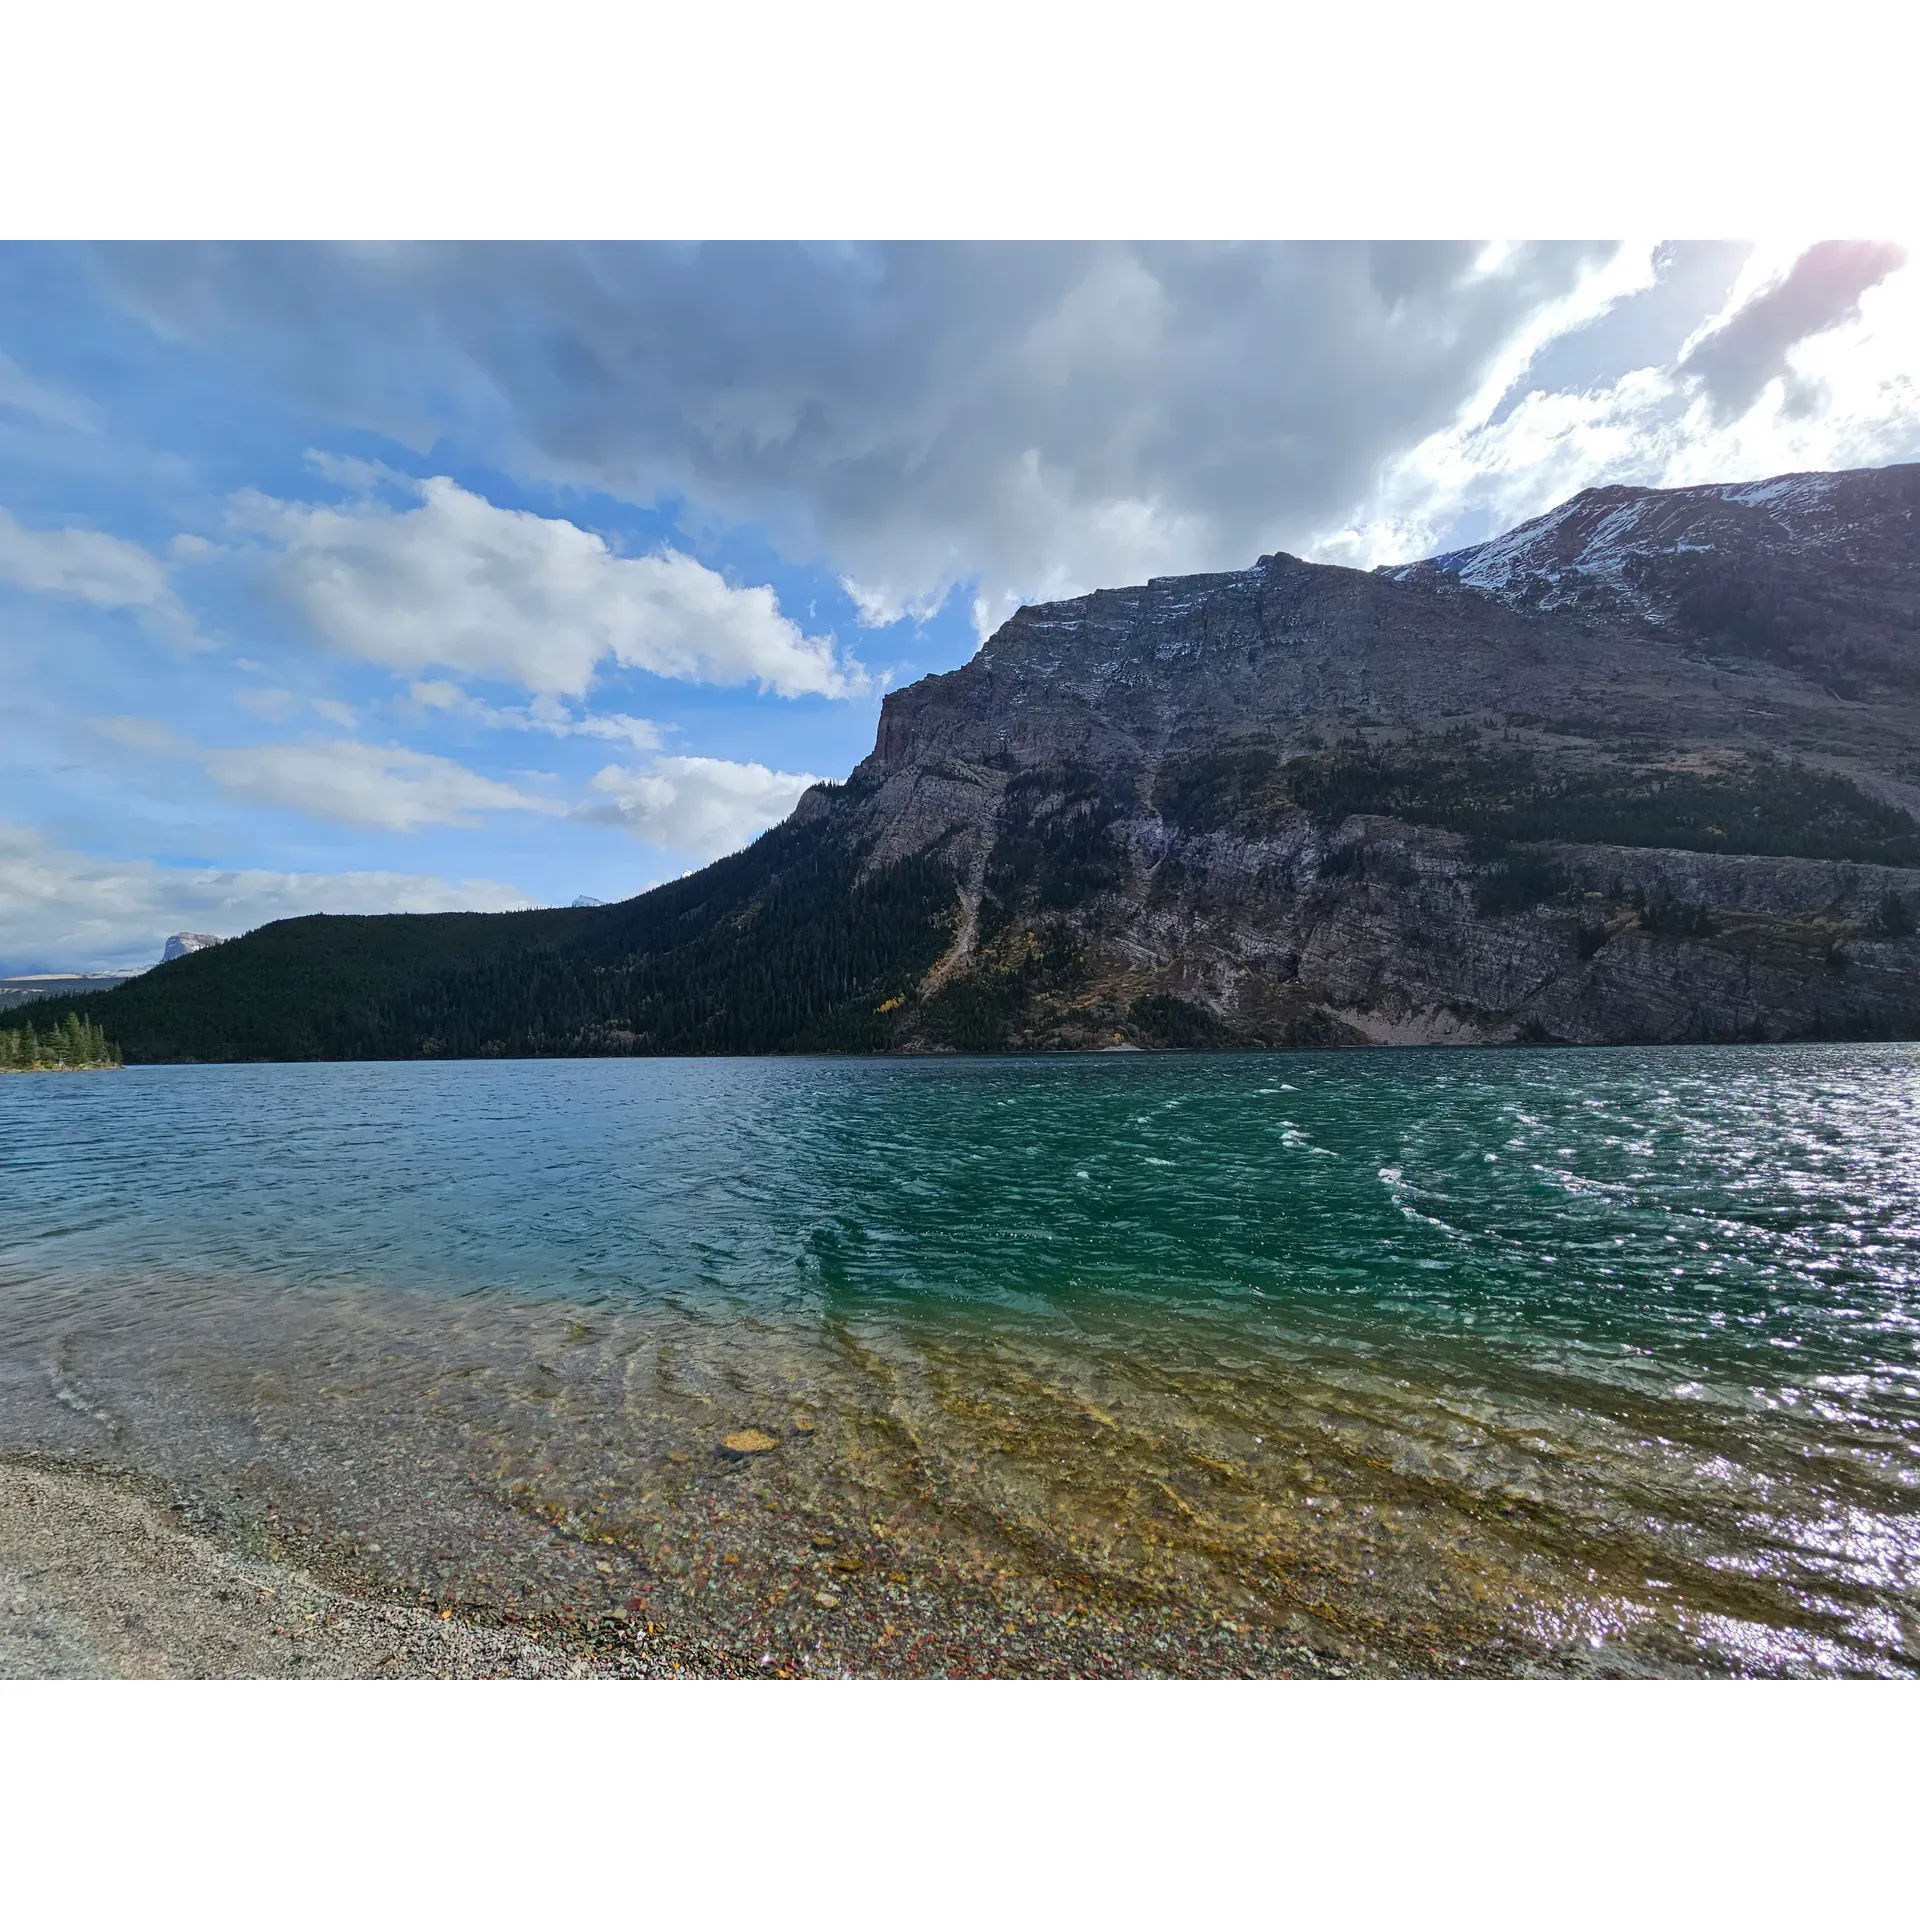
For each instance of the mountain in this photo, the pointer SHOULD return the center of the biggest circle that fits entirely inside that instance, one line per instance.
(1819, 571)
(179, 945)
(17, 989)
(1645, 769)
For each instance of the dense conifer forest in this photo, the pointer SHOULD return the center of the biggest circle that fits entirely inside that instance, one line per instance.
(70, 1043)
(779, 948)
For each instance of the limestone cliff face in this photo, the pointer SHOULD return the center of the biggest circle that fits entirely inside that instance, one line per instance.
(1646, 769)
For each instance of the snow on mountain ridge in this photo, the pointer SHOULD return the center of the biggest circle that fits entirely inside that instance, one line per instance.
(1595, 545)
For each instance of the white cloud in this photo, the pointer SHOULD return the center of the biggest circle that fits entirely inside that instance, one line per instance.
(456, 582)
(21, 393)
(694, 805)
(393, 788)
(1843, 392)
(1024, 421)
(642, 735)
(1819, 291)
(1010, 420)
(365, 786)
(63, 909)
(267, 703)
(542, 714)
(144, 735)
(78, 563)
(277, 704)
(877, 607)
(358, 476)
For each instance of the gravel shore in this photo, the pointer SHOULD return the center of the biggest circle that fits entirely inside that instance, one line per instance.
(98, 1582)
(105, 1575)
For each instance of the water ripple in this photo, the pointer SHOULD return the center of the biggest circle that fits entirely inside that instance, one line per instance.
(1654, 1313)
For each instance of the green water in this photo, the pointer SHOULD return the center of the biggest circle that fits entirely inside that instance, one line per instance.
(1601, 1355)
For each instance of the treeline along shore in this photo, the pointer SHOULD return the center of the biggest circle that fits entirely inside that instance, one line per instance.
(69, 1045)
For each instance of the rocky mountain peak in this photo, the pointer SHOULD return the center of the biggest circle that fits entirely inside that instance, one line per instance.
(1703, 562)
(180, 944)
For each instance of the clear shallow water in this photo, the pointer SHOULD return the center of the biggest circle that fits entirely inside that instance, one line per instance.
(1607, 1354)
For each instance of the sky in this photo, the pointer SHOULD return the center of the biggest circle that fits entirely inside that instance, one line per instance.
(411, 578)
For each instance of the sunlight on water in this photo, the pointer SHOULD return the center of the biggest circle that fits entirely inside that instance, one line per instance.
(1514, 1355)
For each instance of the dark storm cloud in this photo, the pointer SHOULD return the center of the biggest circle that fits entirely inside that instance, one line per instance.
(1820, 290)
(1036, 416)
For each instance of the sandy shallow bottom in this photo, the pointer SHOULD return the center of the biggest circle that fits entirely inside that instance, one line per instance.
(104, 1578)
(487, 1486)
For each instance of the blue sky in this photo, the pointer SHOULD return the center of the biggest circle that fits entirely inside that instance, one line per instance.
(393, 578)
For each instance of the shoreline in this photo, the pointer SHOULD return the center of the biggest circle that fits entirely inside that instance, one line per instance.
(107, 1575)
(104, 1574)
(90, 1066)
(1370, 1050)
(98, 1581)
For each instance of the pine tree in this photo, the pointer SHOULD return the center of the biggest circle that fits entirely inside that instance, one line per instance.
(74, 1041)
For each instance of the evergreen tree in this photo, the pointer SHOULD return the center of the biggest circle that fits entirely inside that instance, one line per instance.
(782, 947)
(75, 1041)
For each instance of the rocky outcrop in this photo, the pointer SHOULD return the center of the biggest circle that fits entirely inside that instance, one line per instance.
(1547, 789)
(181, 944)
(1816, 569)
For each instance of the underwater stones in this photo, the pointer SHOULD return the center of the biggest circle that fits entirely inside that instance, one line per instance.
(746, 1442)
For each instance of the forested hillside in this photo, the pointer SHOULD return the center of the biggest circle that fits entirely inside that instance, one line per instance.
(772, 949)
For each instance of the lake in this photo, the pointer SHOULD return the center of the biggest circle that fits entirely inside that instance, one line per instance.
(1449, 1361)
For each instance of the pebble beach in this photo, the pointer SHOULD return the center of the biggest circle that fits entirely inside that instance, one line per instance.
(103, 1576)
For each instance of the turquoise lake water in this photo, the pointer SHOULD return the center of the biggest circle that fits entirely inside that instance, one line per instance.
(1616, 1350)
